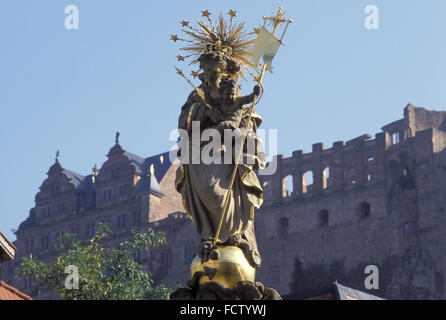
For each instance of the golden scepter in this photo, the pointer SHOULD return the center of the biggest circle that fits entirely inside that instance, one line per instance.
(268, 49)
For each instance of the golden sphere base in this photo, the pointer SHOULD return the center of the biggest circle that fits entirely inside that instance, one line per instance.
(228, 270)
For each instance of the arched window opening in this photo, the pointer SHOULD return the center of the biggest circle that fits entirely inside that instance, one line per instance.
(370, 168)
(283, 226)
(364, 210)
(287, 186)
(395, 138)
(323, 218)
(307, 181)
(326, 178)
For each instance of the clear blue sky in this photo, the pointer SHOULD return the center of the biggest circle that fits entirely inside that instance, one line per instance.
(72, 90)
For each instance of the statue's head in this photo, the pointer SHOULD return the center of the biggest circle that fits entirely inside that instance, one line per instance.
(228, 90)
(213, 65)
(217, 65)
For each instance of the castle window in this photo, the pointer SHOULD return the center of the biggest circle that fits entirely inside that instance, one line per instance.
(137, 218)
(283, 226)
(323, 218)
(46, 212)
(307, 181)
(107, 194)
(364, 210)
(370, 167)
(395, 138)
(122, 222)
(44, 241)
(27, 247)
(287, 187)
(325, 177)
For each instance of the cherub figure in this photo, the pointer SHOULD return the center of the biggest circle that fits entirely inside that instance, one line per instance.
(230, 105)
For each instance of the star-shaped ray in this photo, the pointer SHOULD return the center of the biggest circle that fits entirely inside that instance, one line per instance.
(232, 13)
(174, 37)
(205, 13)
(179, 71)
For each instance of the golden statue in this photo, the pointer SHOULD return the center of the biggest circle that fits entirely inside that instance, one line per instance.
(220, 196)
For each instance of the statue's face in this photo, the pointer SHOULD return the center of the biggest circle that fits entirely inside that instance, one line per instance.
(212, 74)
(230, 93)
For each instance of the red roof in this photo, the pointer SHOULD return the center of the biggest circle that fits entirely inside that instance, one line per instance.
(8, 292)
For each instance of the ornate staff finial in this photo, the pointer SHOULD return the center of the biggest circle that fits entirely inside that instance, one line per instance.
(267, 44)
(117, 137)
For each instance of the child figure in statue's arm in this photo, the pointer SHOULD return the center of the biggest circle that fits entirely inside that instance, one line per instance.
(231, 106)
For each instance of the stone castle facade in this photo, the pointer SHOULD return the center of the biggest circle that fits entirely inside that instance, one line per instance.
(370, 201)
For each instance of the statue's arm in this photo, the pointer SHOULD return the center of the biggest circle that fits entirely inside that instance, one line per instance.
(249, 98)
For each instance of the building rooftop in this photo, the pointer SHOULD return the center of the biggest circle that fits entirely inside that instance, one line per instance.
(334, 291)
(7, 252)
(8, 292)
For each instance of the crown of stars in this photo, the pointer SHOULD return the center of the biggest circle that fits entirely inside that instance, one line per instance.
(224, 35)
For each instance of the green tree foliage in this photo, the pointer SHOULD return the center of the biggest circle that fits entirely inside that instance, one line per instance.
(104, 273)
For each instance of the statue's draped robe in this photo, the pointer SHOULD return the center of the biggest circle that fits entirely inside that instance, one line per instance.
(203, 186)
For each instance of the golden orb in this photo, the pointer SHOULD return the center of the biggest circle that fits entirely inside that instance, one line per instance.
(231, 267)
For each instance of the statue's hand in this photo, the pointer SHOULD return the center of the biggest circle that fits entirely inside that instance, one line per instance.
(256, 90)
